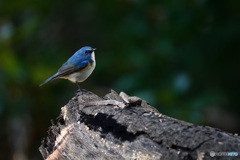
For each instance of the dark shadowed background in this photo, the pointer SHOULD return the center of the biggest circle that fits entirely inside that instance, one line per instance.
(181, 56)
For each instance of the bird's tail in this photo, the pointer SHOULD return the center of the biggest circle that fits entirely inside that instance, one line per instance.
(49, 79)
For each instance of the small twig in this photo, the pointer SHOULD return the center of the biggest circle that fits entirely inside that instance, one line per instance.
(127, 101)
(107, 102)
(130, 100)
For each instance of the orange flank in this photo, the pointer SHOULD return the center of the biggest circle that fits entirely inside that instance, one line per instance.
(84, 68)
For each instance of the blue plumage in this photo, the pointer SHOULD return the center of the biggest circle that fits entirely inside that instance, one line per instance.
(78, 67)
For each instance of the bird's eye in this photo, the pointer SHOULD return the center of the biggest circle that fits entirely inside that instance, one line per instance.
(88, 51)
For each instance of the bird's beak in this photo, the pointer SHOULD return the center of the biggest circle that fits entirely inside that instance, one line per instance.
(94, 49)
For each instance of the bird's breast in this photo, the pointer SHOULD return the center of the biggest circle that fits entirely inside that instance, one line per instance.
(83, 74)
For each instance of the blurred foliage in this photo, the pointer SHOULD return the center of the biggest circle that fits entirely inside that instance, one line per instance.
(181, 56)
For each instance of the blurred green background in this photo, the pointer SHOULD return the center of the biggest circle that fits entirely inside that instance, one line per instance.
(181, 56)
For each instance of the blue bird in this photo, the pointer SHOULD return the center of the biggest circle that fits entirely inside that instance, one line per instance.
(78, 67)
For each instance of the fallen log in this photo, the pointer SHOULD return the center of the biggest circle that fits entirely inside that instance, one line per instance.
(122, 127)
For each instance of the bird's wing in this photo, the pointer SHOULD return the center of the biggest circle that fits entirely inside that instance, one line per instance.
(68, 68)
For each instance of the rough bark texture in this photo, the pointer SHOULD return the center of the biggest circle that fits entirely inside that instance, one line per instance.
(136, 132)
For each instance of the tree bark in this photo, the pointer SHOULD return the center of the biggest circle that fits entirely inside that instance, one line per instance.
(138, 131)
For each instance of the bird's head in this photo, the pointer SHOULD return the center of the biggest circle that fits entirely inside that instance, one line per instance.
(86, 51)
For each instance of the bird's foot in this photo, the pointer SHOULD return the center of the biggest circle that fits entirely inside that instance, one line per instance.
(79, 88)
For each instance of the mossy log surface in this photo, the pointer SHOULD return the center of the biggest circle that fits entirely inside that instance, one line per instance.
(138, 131)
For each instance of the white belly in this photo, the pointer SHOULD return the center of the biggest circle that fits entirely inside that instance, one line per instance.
(82, 76)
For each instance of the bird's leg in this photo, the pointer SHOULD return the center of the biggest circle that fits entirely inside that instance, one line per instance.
(78, 86)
